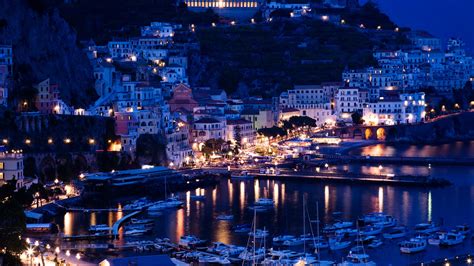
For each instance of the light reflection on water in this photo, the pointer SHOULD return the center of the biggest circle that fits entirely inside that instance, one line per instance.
(410, 205)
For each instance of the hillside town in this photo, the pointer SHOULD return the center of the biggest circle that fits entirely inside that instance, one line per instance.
(152, 129)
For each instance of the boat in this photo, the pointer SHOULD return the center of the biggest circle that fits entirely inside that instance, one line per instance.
(128, 182)
(198, 197)
(293, 242)
(367, 239)
(375, 243)
(170, 203)
(190, 241)
(141, 221)
(357, 257)
(370, 231)
(463, 229)
(224, 217)
(265, 202)
(250, 255)
(224, 249)
(135, 232)
(259, 208)
(337, 244)
(375, 217)
(346, 232)
(278, 240)
(396, 232)
(99, 228)
(207, 259)
(259, 233)
(386, 221)
(242, 175)
(435, 240)
(413, 245)
(451, 239)
(343, 224)
(243, 228)
(426, 228)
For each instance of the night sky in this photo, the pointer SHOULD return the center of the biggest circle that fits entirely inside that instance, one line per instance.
(442, 18)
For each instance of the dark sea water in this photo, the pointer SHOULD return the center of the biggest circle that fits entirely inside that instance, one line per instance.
(451, 206)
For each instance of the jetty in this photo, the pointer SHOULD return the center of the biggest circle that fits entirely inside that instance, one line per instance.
(118, 223)
(341, 177)
(334, 158)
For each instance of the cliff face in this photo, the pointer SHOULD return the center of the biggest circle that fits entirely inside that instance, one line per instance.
(44, 46)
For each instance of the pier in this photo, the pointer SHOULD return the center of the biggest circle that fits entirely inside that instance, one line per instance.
(118, 224)
(357, 178)
(398, 160)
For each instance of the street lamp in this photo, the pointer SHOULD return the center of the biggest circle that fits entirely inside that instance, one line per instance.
(380, 169)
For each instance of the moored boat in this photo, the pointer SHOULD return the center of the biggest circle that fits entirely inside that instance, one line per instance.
(452, 239)
(396, 232)
(413, 245)
(426, 228)
(357, 257)
(190, 241)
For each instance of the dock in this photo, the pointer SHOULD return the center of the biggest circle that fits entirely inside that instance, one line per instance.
(118, 223)
(398, 160)
(354, 178)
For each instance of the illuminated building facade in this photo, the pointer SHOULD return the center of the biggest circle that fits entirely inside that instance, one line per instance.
(222, 3)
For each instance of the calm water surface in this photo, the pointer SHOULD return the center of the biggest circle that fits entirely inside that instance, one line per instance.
(451, 206)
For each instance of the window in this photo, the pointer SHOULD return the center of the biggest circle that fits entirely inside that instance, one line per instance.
(1, 166)
(1, 176)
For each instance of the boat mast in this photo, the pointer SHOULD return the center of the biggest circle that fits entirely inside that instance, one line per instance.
(254, 233)
(317, 229)
(304, 226)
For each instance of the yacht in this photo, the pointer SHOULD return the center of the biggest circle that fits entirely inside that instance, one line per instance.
(426, 228)
(451, 239)
(259, 208)
(248, 255)
(190, 241)
(224, 217)
(396, 232)
(99, 228)
(386, 221)
(242, 228)
(242, 175)
(225, 250)
(337, 244)
(463, 229)
(375, 243)
(207, 259)
(278, 240)
(170, 203)
(413, 245)
(343, 224)
(293, 242)
(370, 231)
(357, 257)
(346, 232)
(435, 240)
(265, 202)
(375, 217)
(259, 233)
(135, 232)
(141, 221)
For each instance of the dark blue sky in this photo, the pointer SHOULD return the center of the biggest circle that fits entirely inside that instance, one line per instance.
(442, 18)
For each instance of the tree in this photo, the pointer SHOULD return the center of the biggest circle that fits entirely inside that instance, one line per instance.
(213, 146)
(299, 121)
(272, 131)
(12, 225)
(357, 118)
(237, 136)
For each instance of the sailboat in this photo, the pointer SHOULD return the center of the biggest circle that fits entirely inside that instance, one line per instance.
(357, 256)
(254, 255)
(316, 242)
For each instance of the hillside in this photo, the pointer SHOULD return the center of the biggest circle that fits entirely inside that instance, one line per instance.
(44, 46)
(269, 58)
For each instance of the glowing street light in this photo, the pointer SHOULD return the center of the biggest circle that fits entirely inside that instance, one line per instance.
(68, 253)
(57, 250)
(78, 256)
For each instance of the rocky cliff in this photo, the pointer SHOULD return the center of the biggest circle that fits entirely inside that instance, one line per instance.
(44, 46)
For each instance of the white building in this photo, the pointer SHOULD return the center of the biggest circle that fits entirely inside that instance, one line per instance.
(11, 167)
(159, 29)
(120, 49)
(347, 102)
(241, 127)
(208, 128)
(395, 109)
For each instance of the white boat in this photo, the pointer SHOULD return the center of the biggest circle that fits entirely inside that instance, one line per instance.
(396, 232)
(190, 241)
(99, 228)
(451, 239)
(370, 231)
(141, 221)
(242, 228)
(426, 228)
(293, 242)
(357, 257)
(259, 208)
(259, 233)
(198, 197)
(343, 224)
(278, 240)
(135, 232)
(248, 255)
(463, 229)
(265, 202)
(386, 221)
(375, 243)
(207, 259)
(413, 245)
(224, 249)
(346, 232)
(170, 203)
(136, 205)
(375, 217)
(225, 217)
(337, 244)
(436, 239)
(242, 175)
